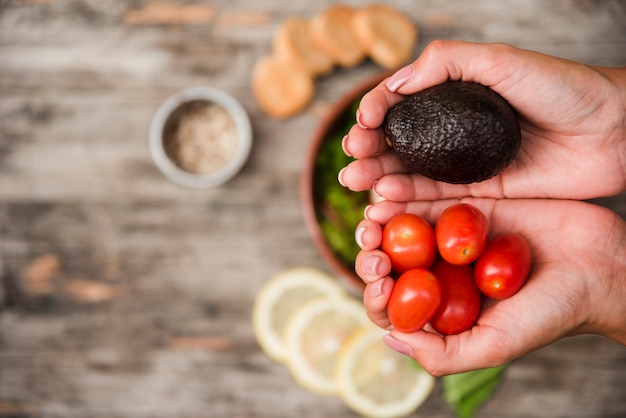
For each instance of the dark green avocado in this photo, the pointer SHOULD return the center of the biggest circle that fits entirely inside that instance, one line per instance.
(457, 132)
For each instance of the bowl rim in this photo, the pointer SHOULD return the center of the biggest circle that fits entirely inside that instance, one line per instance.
(307, 199)
(209, 94)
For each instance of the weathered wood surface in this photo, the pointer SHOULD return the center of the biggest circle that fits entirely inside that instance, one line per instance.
(124, 295)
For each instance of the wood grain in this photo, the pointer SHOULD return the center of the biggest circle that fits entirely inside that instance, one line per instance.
(124, 295)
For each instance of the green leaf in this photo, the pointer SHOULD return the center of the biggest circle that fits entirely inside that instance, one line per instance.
(466, 392)
(338, 210)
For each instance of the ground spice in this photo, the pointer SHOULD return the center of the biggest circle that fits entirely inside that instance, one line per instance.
(200, 137)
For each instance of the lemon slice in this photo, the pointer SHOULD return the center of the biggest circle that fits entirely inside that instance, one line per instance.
(377, 382)
(279, 298)
(315, 335)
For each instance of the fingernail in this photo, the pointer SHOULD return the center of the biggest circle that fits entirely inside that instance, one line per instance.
(370, 265)
(359, 236)
(366, 211)
(358, 119)
(343, 145)
(340, 176)
(398, 346)
(374, 188)
(376, 288)
(400, 78)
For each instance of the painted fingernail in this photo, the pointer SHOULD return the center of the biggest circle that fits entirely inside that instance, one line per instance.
(398, 346)
(343, 145)
(400, 78)
(376, 288)
(340, 176)
(359, 236)
(358, 119)
(370, 265)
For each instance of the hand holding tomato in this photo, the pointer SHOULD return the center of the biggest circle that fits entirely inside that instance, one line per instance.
(565, 294)
(450, 298)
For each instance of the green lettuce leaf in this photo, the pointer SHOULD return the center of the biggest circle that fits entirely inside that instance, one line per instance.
(466, 392)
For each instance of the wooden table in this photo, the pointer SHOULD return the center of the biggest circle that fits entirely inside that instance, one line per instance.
(124, 295)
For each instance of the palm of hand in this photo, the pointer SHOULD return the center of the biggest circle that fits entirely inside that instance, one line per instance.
(551, 305)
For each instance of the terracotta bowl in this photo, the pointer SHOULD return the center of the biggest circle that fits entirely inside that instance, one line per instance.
(317, 184)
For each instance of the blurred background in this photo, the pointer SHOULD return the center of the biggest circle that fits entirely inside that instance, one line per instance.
(125, 295)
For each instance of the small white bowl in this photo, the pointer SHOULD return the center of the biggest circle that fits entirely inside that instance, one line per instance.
(220, 175)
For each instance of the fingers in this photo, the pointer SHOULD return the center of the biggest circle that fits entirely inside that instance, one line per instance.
(386, 175)
(408, 187)
(371, 263)
(383, 211)
(375, 300)
(360, 143)
(368, 234)
(374, 105)
(373, 266)
(361, 174)
(374, 158)
(442, 60)
(477, 348)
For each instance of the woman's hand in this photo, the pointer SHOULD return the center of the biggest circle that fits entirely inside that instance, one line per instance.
(572, 117)
(577, 282)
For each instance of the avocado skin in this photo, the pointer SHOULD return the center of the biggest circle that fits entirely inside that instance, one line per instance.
(457, 132)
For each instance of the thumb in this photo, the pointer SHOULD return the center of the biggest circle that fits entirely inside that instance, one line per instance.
(443, 60)
(478, 348)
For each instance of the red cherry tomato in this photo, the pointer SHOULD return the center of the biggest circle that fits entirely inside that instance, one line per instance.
(503, 267)
(460, 302)
(409, 241)
(414, 299)
(461, 233)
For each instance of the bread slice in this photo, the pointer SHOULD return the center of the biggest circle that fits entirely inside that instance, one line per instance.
(333, 31)
(293, 42)
(388, 36)
(280, 88)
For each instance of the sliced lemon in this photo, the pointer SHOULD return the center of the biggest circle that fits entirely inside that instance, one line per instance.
(315, 335)
(280, 297)
(375, 381)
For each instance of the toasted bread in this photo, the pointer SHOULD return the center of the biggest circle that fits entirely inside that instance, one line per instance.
(293, 42)
(333, 31)
(280, 88)
(387, 35)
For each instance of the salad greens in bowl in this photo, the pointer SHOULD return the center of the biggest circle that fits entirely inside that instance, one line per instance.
(332, 212)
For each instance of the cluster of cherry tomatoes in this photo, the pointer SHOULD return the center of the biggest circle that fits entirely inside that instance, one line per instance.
(443, 271)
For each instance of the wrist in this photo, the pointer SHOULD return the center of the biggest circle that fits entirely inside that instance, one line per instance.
(617, 78)
(610, 317)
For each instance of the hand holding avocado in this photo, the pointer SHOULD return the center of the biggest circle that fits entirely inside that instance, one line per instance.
(571, 118)
(573, 146)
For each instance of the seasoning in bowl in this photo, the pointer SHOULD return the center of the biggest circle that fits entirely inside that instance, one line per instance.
(200, 137)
